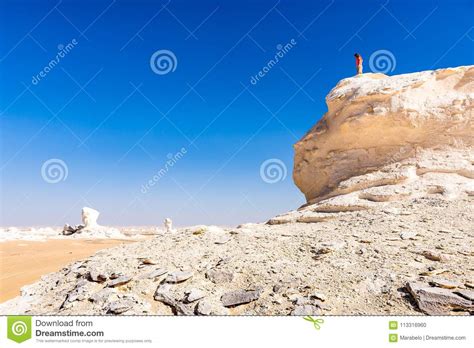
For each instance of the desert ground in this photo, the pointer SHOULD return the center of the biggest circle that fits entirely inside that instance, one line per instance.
(24, 262)
(388, 227)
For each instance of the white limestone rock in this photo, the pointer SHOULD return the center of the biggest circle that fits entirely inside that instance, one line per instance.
(89, 217)
(168, 223)
(391, 130)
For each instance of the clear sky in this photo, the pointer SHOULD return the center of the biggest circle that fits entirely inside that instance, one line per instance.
(111, 117)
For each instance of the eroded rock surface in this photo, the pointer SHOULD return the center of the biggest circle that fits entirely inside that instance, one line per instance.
(413, 129)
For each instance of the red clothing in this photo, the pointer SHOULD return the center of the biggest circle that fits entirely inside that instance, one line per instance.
(358, 60)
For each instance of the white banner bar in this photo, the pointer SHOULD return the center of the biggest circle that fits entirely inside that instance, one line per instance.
(236, 331)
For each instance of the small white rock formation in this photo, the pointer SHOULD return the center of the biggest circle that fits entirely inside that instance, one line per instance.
(89, 218)
(90, 228)
(168, 225)
(389, 138)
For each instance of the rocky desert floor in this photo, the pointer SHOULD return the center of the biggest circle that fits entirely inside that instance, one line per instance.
(387, 229)
(398, 258)
(47, 256)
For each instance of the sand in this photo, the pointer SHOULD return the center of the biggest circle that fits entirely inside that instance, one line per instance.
(23, 263)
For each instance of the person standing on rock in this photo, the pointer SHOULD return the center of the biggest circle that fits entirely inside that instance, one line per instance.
(359, 61)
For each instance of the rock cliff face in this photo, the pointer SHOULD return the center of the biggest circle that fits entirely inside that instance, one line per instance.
(410, 129)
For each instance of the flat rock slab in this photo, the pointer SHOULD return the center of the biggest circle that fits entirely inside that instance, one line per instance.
(119, 307)
(119, 281)
(467, 294)
(163, 296)
(445, 283)
(194, 295)
(238, 297)
(203, 308)
(437, 301)
(147, 261)
(156, 273)
(178, 277)
(282, 219)
(306, 310)
(219, 276)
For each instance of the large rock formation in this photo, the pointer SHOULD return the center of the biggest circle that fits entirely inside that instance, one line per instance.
(384, 130)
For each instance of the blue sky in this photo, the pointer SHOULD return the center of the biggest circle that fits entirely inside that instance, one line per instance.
(114, 123)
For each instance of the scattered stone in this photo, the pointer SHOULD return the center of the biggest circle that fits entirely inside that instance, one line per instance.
(437, 301)
(147, 261)
(115, 275)
(407, 235)
(238, 297)
(194, 295)
(69, 230)
(119, 307)
(76, 294)
(325, 250)
(119, 281)
(203, 308)
(301, 300)
(96, 276)
(162, 295)
(318, 296)
(219, 276)
(469, 285)
(156, 273)
(178, 277)
(444, 283)
(432, 272)
(306, 310)
(222, 240)
(102, 296)
(433, 256)
(321, 251)
(365, 241)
